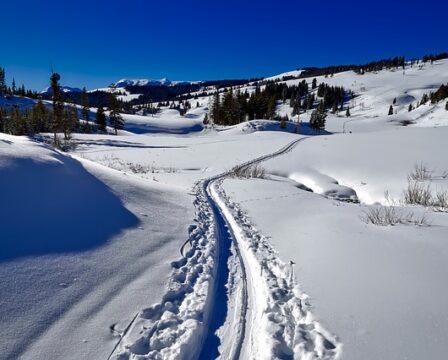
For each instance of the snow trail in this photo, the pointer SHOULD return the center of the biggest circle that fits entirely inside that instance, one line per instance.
(230, 279)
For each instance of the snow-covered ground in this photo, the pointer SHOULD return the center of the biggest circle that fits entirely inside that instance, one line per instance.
(145, 246)
(84, 248)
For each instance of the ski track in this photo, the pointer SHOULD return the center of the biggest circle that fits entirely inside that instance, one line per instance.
(273, 319)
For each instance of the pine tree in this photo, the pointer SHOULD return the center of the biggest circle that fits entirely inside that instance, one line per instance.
(391, 110)
(101, 119)
(317, 119)
(85, 110)
(216, 108)
(314, 84)
(2, 81)
(39, 118)
(446, 106)
(335, 108)
(115, 118)
(2, 120)
(13, 87)
(394, 101)
(58, 106)
(410, 108)
(347, 113)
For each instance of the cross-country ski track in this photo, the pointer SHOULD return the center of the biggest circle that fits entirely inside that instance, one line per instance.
(229, 296)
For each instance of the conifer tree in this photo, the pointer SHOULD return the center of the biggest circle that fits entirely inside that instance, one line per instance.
(446, 106)
(314, 84)
(2, 81)
(410, 108)
(391, 110)
(318, 116)
(2, 120)
(85, 109)
(13, 87)
(58, 106)
(216, 108)
(115, 117)
(39, 118)
(347, 113)
(101, 119)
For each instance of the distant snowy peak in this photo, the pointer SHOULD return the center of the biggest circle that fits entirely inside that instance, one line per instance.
(150, 82)
(64, 89)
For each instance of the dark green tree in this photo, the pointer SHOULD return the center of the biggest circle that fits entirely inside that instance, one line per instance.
(391, 110)
(85, 111)
(216, 108)
(318, 116)
(39, 118)
(101, 119)
(347, 113)
(115, 118)
(2, 81)
(58, 106)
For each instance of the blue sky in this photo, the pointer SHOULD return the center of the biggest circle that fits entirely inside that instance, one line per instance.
(92, 43)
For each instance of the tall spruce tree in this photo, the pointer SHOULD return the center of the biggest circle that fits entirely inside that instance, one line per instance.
(101, 119)
(115, 118)
(85, 110)
(391, 110)
(216, 108)
(58, 105)
(2, 81)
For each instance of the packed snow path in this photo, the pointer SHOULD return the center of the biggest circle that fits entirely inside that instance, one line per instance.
(230, 296)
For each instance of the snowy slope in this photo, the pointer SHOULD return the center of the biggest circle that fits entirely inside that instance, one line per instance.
(366, 282)
(87, 247)
(375, 92)
(127, 250)
(150, 82)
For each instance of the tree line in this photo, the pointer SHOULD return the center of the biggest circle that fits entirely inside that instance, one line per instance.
(59, 116)
(232, 107)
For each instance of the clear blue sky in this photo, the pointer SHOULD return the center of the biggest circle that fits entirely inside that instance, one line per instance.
(92, 43)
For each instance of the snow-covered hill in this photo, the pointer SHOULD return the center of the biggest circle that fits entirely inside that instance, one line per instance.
(64, 89)
(156, 244)
(150, 82)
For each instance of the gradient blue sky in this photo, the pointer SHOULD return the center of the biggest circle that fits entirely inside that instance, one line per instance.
(92, 43)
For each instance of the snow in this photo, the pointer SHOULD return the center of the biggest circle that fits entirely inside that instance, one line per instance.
(144, 245)
(165, 121)
(90, 259)
(381, 290)
(369, 163)
(150, 82)
(64, 89)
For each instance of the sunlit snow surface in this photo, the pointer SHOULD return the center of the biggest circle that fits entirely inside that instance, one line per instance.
(88, 237)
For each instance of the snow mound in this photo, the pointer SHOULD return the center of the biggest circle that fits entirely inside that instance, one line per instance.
(167, 121)
(271, 125)
(64, 195)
